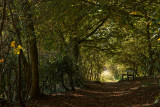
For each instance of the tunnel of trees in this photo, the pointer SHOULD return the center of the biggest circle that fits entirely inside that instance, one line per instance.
(56, 45)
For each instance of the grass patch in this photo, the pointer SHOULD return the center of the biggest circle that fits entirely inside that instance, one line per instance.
(145, 84)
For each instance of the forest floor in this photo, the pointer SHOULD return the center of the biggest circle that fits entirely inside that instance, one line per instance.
(136, 93)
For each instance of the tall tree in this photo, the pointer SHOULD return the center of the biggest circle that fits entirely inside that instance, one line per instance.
(35, 91)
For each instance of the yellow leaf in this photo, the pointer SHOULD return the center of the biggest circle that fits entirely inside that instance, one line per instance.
(13, 44)
(17, 51)
(12, 10)
(2, 60)
(148, 23)
(158, 39)
(134, 13)
(19, 47)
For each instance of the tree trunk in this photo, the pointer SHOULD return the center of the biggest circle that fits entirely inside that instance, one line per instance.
(62, 80)
(19, 82)
(1, 27)
(25, 63)
(35, 91)
(150, 71)
(71, 82)
(35, 74)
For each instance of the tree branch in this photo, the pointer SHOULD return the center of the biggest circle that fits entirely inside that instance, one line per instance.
(90, 34)
(107, 50)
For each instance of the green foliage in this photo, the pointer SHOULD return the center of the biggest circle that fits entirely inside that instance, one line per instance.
(116, 34)
(156, 100)
(145, 84)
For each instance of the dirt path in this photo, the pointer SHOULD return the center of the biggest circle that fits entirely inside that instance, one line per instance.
(138, 93)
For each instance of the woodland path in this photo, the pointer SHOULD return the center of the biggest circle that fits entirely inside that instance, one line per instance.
(137, 93)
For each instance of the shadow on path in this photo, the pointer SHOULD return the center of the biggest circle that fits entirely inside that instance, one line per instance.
(137, 93)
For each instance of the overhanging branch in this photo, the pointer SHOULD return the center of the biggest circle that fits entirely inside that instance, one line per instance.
(90, 34)
(106, 50)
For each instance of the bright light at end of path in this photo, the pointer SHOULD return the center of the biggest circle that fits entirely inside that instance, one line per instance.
(107, 76)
